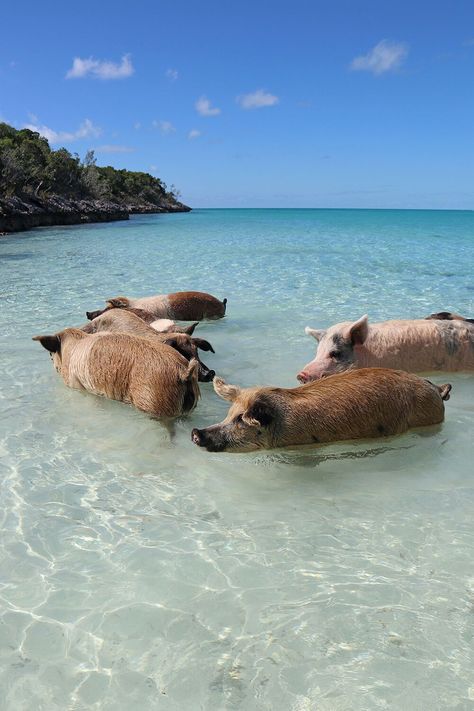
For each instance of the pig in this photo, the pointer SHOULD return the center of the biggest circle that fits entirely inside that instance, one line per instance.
(360, 404)
(417, 346)
(182, 305)
(162, 325)
(151, 376)
(124, 321)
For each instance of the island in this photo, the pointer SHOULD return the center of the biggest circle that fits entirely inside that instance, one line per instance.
(44, 187)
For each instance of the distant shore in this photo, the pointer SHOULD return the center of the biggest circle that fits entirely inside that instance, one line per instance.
(18, 214)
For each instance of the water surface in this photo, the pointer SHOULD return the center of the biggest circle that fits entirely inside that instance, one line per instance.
(142, 573)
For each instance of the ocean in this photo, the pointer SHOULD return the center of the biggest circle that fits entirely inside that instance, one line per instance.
(140, 572)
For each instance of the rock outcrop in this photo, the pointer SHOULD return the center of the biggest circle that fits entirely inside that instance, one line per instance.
(17, 214)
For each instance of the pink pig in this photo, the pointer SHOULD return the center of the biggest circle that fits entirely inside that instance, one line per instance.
(416, 345)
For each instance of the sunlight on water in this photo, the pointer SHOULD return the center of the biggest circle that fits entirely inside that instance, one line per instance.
(139, 572)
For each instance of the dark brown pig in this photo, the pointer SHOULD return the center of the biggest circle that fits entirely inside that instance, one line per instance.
(371, 402)
(124, 321)
(415, 345)
(448, 316)
(182, 305)
(151, 376)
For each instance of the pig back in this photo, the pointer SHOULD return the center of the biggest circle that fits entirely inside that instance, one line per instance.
(151, 376)
(364, 403)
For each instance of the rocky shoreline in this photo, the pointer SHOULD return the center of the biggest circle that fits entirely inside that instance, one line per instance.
(18, 214)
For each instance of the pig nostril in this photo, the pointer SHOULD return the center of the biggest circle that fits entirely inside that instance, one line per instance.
(195, 436)
(302, 377)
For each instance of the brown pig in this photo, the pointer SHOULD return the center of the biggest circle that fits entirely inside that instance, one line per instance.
(417, 346)
(124, 321)
(163, 325)
(371, 402)
(151, 376)
(182, 305)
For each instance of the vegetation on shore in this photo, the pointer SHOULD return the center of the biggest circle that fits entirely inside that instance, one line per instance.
(43, 185)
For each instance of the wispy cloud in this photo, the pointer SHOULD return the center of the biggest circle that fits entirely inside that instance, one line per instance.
(164, 126)
(172, 74)
(98, 69)
(386, 56)
(85, 130)
(137, 125)
(194, 133)
(204, 108)
(112, 148)
(257, 99)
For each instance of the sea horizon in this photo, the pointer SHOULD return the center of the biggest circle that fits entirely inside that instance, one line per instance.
(382, 209)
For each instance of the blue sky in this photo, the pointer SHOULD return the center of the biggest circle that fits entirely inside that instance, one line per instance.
(256, 104)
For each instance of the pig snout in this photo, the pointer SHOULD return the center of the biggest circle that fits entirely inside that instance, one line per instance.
(209, 439)
(303, 377)
(204, 374)
(196, 437)
(308, 374)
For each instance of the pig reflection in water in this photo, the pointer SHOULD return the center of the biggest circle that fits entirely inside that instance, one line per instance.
(371, 402)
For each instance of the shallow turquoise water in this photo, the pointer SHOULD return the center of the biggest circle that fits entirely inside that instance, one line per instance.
(140, 573)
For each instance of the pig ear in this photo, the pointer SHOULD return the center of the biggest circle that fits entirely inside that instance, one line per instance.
(359, 330)
(119, 302)
(316, 333)
(192, 370)
(259, 414)
(228, 392)
(182, 348)
(190, 329)
(51, 343)
(202, 344)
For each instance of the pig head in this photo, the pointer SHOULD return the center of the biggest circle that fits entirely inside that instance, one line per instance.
(249, 424)
(337, 350)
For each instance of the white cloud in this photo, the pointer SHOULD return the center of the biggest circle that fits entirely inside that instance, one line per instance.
(164, 126)
(194, 133)
(100, 69)
(137, 125)
(85, 130)
(386, 56)
(257, 100)
(172, 74)
(203, 107)
(113, 148)
(153, 168)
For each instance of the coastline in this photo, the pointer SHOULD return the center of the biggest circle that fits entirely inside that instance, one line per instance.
(19, 214)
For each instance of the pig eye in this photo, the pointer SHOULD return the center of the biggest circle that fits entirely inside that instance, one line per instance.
(335, 354)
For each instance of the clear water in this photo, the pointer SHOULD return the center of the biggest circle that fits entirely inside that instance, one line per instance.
(139, 573)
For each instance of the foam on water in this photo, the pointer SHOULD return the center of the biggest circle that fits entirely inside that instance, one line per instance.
(139, 572)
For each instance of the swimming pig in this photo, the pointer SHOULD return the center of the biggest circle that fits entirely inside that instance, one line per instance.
(182, 305)
(124, 321)
(151, 376)
(371, 402)
(417, 345)
(163, 325)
